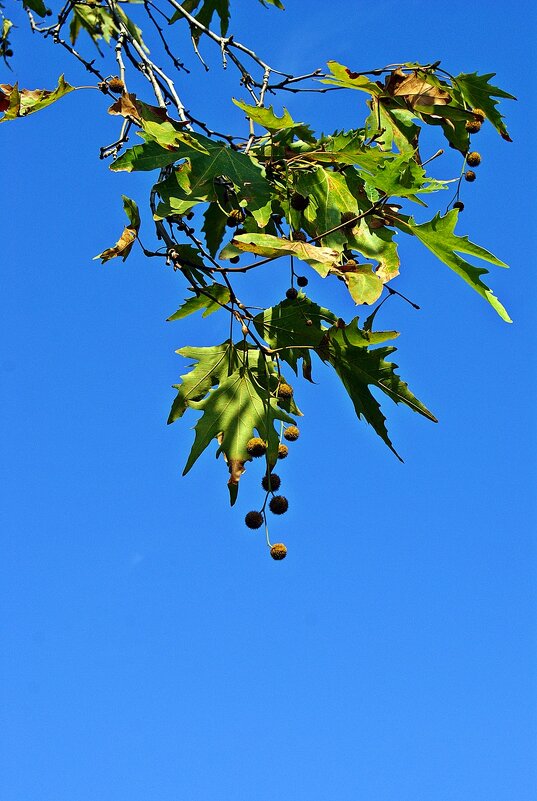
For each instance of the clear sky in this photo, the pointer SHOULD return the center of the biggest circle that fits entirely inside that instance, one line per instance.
(151, 649)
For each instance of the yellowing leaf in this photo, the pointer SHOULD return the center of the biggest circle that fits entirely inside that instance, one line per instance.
(127, 239)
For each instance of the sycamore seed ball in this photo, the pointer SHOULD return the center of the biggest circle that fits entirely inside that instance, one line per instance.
(292, 293)
(291, 433)
(473, 159)
(480, 114)
(459, 205)
(256, 447)
(469, 175)
(283, 451)
(284, 391)
(254, 519)
(279, 505)
(116, 84)
(473, 126)
(299, 236)
(278, 551)
(302, 280)
(271, 484)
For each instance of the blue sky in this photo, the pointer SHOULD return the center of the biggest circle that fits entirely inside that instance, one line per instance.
(151, 649)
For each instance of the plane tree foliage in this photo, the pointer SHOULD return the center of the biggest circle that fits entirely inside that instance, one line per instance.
(225, 203)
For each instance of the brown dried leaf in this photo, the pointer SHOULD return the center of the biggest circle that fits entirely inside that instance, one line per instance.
(415, 89)
(122, 247)
(128, 105)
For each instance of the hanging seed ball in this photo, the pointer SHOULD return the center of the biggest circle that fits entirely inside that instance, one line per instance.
(235, 217)
(284, 391)
(272, 483)
(254, 519)
(480, 114)
(283, 451)
(470, 176)
(459, 205)
(279, 504)
(256, 446)
(291, 433)
(278, 551)
(116, 85)
(299, 202)
(309, 322)
(292, 293)
(473, 159)
(302, 280)
(473, 126)
(235, 259)
(299, 236)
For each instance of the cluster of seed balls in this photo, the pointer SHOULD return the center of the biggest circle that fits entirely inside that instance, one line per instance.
(271, 482)
(473, 159)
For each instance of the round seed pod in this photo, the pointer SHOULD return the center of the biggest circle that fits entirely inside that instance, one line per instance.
(302, 280)
(283, 451)
(473, 126)
(291, 433)
(299, 236)
(279, 504)
(256, 447)
(292, 293)
(480, 114)
(235, 259)
(284, 391)
(470, 176)
(459, 205)
(272, 483)
(278, 551)
(473, 159)
(254, 519)
(116, 85)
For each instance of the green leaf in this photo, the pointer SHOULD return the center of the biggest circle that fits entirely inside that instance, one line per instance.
(213, 364)
(141, 158)
(329, 197)
(401, 176)
(214, 227)
(358, 367)
(218, 294)
(37, 6)
(480, 93)
(321, 259)
(96, 21)
(393, 127)
(276, 3)
(344, 77)
(235, 410)
(205, 15)
(27, 101)
(295, 326)
(363, 284)
(240, 406)
(217, 163)
(439, 237)
(124, 244)
(266, 116)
